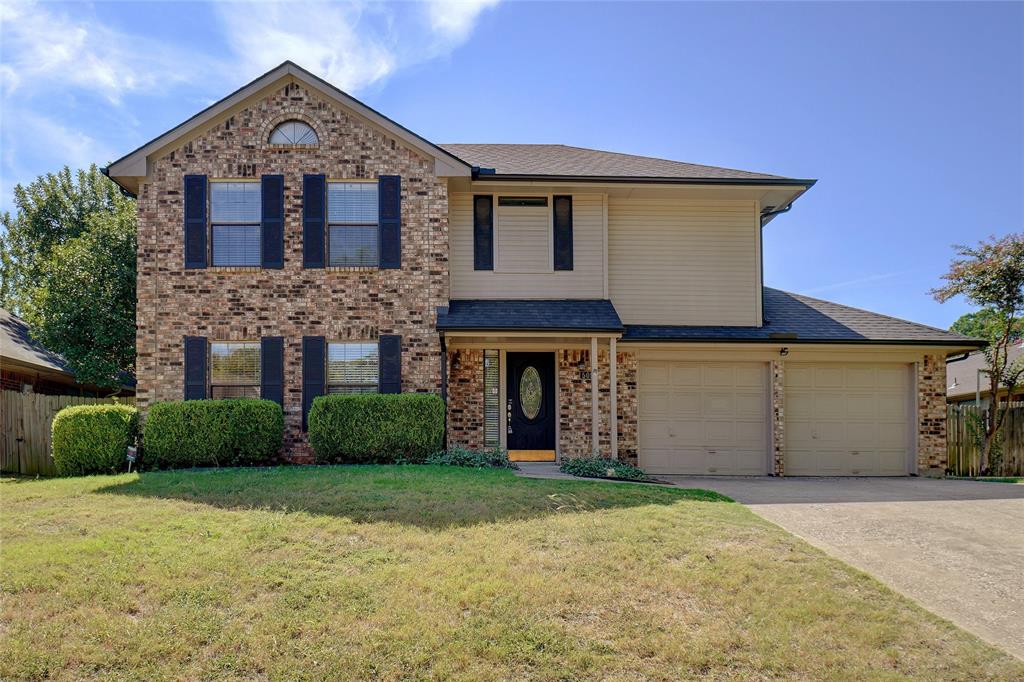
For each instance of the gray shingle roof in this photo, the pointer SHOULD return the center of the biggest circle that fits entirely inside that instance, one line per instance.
(17, 345)
(793, 318)
(562, 160)
(541, 315)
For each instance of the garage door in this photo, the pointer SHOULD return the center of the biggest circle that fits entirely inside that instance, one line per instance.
(703, 418)
(847, 420)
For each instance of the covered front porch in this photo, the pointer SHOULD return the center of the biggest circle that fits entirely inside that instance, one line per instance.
(559, 389)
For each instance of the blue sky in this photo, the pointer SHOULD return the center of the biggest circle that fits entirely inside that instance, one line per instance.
(911, 115)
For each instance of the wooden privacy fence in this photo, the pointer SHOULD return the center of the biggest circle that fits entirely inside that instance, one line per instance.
(25, 419)
(961, 441)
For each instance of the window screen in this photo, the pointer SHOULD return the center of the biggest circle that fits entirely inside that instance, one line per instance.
(235, 215)
(352, 224)
(352, 367)
(235, 370)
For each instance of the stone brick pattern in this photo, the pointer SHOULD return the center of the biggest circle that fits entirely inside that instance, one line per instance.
(466, 398)
(931, 416)
(232, 305)
(778, 416)
(575, 417)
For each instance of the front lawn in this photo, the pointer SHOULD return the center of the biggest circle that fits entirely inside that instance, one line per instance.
(417, 572)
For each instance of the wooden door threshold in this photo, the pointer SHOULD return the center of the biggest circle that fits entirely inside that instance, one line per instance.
(531, 455)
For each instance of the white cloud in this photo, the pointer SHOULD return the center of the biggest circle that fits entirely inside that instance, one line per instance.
(353, 45)
(860, 281)
(48, 49)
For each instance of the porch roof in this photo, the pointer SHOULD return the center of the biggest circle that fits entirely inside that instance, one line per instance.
(590, 315)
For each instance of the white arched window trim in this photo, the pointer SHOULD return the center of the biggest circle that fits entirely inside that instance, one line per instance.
(294, 132)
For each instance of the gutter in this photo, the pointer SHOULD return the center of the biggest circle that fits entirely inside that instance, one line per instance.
(481, 174)
(124, 191)
(796, 341)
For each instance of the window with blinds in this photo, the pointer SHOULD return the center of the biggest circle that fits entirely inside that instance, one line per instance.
(235, 216)
(235, 370)
(492, 402)
(352, 367)
(352, 224)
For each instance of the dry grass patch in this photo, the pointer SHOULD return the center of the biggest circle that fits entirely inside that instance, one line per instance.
(423, 572)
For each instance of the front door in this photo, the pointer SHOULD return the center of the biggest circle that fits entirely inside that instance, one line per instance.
(530, 406)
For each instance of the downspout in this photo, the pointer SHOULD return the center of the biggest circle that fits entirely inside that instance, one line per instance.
(764, 217)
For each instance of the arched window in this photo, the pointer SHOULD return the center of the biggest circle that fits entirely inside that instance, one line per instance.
(294, 132)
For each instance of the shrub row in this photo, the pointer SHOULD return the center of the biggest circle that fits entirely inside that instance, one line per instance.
(599, 467)
(376, 428)
(93, 439)
(213, 433)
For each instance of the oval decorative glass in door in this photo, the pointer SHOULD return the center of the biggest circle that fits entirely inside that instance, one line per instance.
(531, 392)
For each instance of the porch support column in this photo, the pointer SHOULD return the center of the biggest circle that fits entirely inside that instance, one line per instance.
(613, 410)
(595, 439)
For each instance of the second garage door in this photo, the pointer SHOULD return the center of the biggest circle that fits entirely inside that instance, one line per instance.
(847, 419)
(703, 418)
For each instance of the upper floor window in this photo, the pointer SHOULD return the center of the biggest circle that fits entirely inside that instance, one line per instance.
(235, 217)
(235, 370)
(294, 132)
(352, 224)
(352, 367)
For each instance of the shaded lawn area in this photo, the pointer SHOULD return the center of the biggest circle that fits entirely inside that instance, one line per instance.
(424, 572)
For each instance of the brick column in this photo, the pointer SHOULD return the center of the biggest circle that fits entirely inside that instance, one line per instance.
(778, 378)
(931, 416)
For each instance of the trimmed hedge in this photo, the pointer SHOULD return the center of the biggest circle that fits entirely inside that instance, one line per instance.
(213, 433)
(597, 467)
(93, 439)
(377, 428)
(496, 458)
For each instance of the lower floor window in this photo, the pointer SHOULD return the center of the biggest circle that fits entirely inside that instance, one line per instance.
(352, 367)
(235, 370)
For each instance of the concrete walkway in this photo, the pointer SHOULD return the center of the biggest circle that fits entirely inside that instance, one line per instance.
(956, 547)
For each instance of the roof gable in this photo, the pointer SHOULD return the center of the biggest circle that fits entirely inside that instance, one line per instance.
(129, 169)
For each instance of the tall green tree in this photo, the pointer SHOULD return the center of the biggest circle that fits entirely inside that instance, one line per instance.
(985, 324)
(67, 266)
(991, 276)
(51, 210)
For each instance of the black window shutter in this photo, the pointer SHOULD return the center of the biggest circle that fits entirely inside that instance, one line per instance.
(389, 193)
(195, 367)
(314, 217)
(314, 370)
(272, 369)
(195, 221)
(563, 232)
(483, 232)
(390, 359)
(273, 221)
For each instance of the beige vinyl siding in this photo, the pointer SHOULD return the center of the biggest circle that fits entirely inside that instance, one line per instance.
(522, 252)
(684, 262)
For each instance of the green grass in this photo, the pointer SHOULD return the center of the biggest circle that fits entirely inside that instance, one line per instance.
(424, 572)
(990, 479)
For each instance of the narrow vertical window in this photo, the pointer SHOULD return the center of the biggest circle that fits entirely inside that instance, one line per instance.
(483, 232)
(492, 402)
(563, 233)
(352, 215)
(235, 216)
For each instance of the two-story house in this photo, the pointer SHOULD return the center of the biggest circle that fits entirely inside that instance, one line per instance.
(294, 242)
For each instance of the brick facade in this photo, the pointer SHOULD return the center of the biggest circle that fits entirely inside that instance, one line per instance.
(466, 398)
(931, 416)
(777, 377)
(231, 304)
(574, 403)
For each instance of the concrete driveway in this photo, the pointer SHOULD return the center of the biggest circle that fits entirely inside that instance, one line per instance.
(956, 547)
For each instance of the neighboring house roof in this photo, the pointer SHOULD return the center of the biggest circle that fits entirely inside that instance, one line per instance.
(562, 161)
(540, 315)
(126, 170)
(16, 345)
(962, 375)
(792, 318)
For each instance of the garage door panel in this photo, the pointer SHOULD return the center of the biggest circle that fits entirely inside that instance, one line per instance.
(849, 419)
(684, 374)
(715, 420)
(656, 403)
